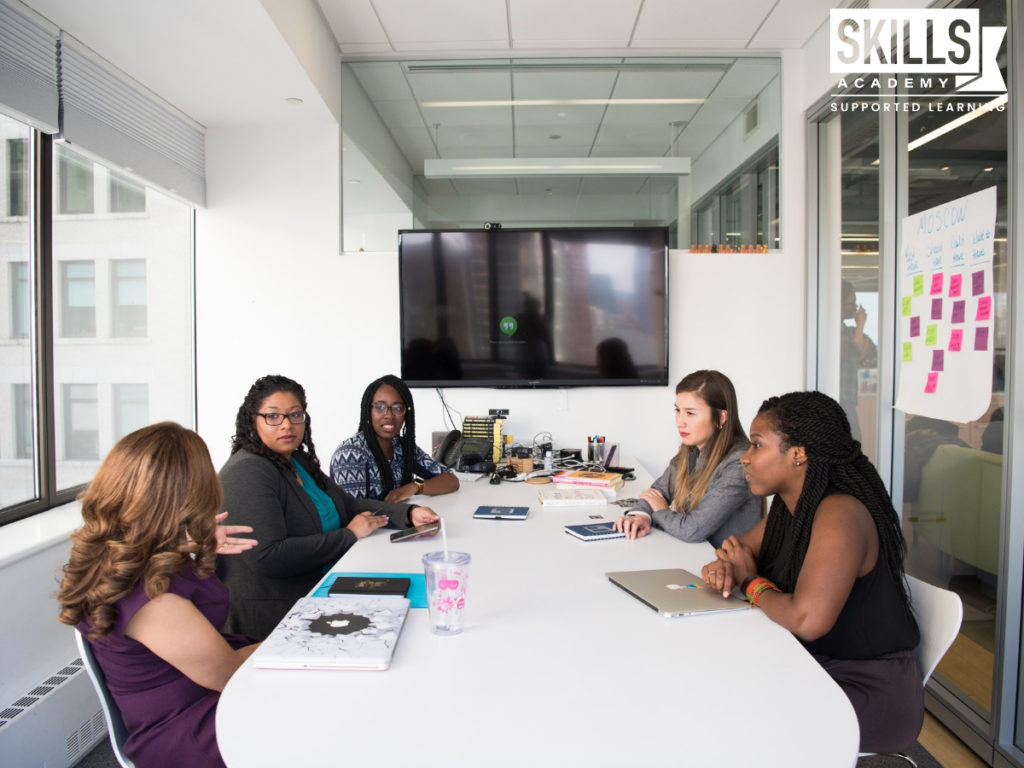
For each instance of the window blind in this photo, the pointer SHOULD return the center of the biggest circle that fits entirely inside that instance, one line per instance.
(28, 66)
(115, 118)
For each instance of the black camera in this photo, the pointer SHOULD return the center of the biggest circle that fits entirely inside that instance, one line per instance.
(492, 225)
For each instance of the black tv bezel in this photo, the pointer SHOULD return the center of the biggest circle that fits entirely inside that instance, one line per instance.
(530, 383)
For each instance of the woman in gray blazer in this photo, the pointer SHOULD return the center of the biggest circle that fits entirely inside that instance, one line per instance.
(702, 495)
(302, 520)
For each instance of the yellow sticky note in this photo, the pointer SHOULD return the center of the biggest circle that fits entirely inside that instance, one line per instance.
(907, 306)
(918, 285)
(908, 352)
(931, 335)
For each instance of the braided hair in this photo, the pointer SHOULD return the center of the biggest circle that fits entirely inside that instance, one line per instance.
(835, 462)
(246, 437)
(408, 436)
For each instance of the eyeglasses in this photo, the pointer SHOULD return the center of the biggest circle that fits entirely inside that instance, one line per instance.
(381, 407)
(274, 419)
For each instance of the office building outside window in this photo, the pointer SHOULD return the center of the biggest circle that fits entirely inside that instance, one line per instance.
(21, 300)
(22, 421)
(17, 177)
(126, 196)
(74, 183)
(78, 299)
(81, 422)
(128, 294)
(131, 408)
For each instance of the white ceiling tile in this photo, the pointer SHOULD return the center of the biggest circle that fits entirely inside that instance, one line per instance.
(559, 118)
(402, 112)
(726, 45)
(747, 78)
(656, 117)
(794, 22)
(470, 187)
(543, 21)
(700, 22)
(460, 86)
(611, 185)
(444, 24)
(677, 85)
(570, 84)
(353, 22)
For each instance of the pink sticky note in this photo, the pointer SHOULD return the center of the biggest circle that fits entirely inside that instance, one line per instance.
(984, 308)
(956, 340)
(937, 359)
(959, 308)
(977, 283)
(936, 283)
(981, 339)
(932, 384)
(915, 326)
(955, 282)
(936, 309)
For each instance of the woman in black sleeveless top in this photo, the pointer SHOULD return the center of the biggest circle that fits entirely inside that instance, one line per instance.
(827, 562)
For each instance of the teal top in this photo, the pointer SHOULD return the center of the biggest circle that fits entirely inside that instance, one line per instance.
(324, 505)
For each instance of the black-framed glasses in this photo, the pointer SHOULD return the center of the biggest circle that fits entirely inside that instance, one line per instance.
(274, 419)
(398, 409)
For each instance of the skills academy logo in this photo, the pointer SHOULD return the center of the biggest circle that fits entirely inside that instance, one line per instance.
(898, 59)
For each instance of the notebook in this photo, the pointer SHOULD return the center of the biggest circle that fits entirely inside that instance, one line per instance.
(674, 592)
(501, 513)
(335, 633)
(594, 531)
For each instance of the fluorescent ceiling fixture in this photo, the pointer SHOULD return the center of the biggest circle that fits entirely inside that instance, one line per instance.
(558, 102)
(984, 109)
(555, 166)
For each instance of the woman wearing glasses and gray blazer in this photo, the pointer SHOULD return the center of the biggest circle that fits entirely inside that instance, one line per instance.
(304, 523)
(382, 460)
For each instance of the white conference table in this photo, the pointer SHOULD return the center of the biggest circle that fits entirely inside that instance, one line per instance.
(556, 666)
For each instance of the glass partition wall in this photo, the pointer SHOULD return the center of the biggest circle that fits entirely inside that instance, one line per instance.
(947, 477)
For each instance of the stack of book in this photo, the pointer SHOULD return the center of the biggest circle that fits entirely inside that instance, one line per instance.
(607, 482)
(485, 429)
(565, 495)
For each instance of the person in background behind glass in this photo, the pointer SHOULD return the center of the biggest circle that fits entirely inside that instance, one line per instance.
(856, 351)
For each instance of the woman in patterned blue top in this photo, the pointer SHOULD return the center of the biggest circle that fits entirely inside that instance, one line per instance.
(382, 460)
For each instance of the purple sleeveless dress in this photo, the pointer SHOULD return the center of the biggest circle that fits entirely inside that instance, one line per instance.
(170, 719)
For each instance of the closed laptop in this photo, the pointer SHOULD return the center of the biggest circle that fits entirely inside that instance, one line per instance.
(674, 592)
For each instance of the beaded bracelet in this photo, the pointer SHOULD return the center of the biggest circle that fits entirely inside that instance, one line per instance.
(757, 587)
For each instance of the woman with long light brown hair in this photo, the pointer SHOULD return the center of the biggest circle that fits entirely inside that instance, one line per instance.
(702, 495)
(140, 586)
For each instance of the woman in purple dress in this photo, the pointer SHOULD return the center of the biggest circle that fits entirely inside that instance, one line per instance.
(140, 586)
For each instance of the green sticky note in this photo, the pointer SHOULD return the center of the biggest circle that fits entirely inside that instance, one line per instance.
(931, 335)
(908, 352)
(918, 285)
(907, 305)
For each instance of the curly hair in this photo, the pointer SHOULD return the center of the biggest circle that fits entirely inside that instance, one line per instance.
(246, 437)
(149, 514)
(835, 463)
(715, 389)
(408, 436)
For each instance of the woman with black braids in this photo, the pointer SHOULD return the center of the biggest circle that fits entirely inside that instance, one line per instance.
(382, 460)
(827, 562)
(303, 521)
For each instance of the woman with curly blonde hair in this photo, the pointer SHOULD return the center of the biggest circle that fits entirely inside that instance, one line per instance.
(140, 586)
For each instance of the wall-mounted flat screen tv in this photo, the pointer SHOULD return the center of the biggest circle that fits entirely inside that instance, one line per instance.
(534, 307)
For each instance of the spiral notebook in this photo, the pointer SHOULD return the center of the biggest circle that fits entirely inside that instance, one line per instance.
(335, 633)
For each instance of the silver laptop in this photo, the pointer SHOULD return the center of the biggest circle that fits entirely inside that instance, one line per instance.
(674, 592)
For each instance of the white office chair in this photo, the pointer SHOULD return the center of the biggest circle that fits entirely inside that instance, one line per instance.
(939, 613)
(115, 725)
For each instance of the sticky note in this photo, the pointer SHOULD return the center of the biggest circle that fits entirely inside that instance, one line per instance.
(959, 308)
(931, 335)
(906, 304)
(984, 308)
(936, 309)
(937, 359)
(955, 282)
(978, 283)
(981, 339)
(908, 352)
(915, 327)
(932, 384)
(918, 285)
(956, 340)
(936, 283)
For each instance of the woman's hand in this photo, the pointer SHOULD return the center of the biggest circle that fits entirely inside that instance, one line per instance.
(422, 516)
(402, 492)
(735, 565)
(634, 526)
(655, 499)
(365, 523)
(227, 544)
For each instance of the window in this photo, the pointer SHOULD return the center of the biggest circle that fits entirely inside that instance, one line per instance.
(78, 299)
(21, 300)
(131, 408)
(81, 422)
(17, 177)
(74, 183)
(128, 291)
(23, 429)
(126, 196)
